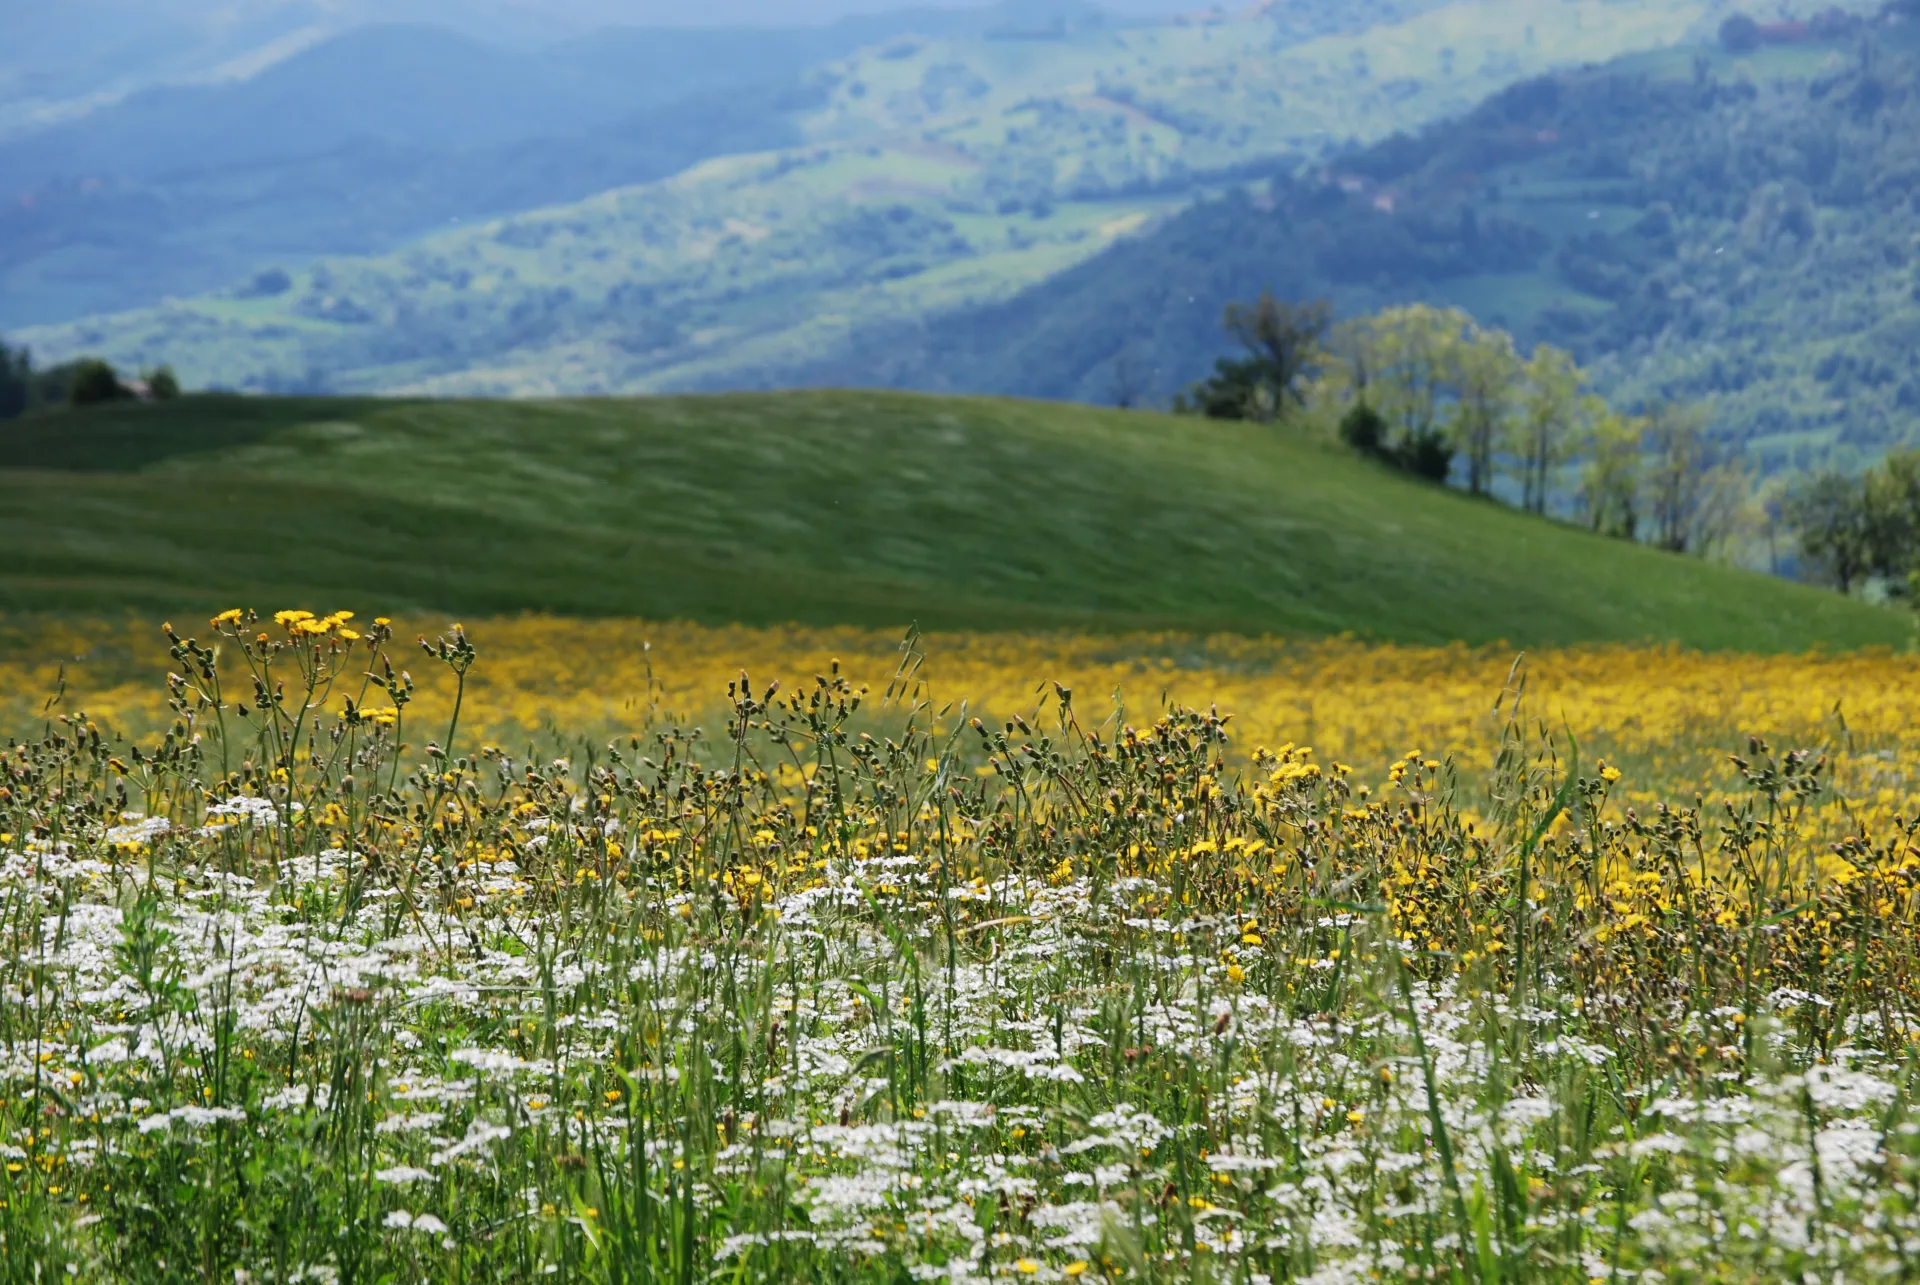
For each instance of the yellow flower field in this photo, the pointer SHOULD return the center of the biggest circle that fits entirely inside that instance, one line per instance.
(970, 958)
(1665, 717)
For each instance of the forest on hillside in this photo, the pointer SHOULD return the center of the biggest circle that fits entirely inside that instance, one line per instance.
(1739, 227)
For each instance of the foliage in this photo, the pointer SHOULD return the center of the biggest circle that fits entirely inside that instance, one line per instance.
(1234, 391)
(1551, 416)
(833, 508)
(1693, 227)
(16, 381)
(1365, 429)
(1830, 514)
(24, 388)
(1425, 453)
(862, 987)
(1613, 474)
(1692, 499)
(95, 383)
(162, 384)
(1283, 341)
(1850, 527)
(1452, 386)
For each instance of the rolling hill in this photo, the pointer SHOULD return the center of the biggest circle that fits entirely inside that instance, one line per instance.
(932, 174)
(1699, 225)
(865, 508)
(367, 139)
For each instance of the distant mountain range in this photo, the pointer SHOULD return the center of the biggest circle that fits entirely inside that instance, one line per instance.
(1741, 229)
(1013, 202)
(384, 132)
(63, 59)
(917, 174)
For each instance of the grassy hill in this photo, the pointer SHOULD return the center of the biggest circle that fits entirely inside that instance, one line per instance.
(931, 174)
(1695, 224)
(828, 507)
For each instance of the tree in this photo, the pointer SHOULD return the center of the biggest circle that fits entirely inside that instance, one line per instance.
(1284, 345)
(1426, 454)
(1679, 481)
(1550, 408)
(162, 384)
(94, 383)
(16, 381)
(1611, 481)
(1233, 392)
(1403, 360)
(1891, 494)
(1850, 528)
(1486, 377)
(1400, 374)
(1364, 429)
(1829, 514)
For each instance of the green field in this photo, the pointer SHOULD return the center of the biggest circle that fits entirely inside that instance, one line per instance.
(860, 508)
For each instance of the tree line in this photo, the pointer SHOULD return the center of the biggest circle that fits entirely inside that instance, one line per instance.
(1856, 530)
(86, 382)
(1432, 392)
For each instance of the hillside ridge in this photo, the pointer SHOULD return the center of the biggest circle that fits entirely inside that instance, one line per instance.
(936, 174)
(1696, 225)
(832, 508)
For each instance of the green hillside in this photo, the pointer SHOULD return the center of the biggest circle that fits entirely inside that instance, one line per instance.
(864, 508)
(1697, 225)
(932, 175)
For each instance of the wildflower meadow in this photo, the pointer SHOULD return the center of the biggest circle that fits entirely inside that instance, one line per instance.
(633, 953)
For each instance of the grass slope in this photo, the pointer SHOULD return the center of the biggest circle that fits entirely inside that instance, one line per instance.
(862, 508)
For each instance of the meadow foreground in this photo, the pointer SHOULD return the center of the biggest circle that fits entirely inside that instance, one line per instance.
(325, 977)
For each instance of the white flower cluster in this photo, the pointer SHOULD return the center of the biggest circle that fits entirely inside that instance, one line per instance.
(969, 1113)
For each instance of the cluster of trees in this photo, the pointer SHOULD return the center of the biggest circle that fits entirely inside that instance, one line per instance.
(1858, 529)
(1660, 478)
(1426, 386)
(1284, 347)
(1432, 392)
(87, 382)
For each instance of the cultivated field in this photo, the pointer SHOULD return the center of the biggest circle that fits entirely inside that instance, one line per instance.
(588, 956)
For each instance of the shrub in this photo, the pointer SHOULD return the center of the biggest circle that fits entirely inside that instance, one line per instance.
(1426, 454)
(1364, 429)
(95, 383)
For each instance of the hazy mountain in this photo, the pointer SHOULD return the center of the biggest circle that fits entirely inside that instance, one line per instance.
(383, 132)
(931, 174)
(1737, 230)
(67, 58)
(386, 132)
